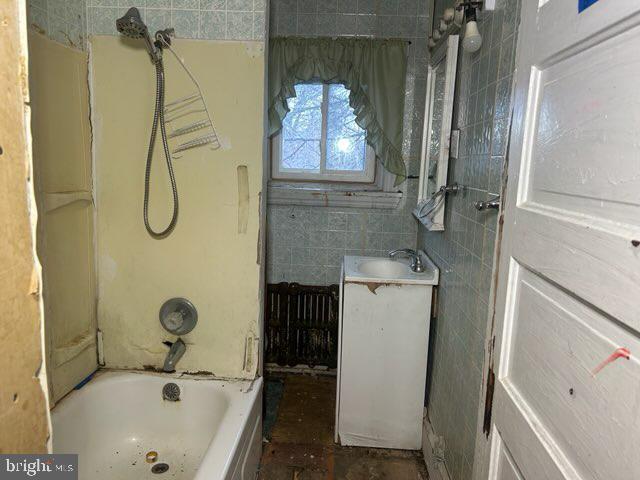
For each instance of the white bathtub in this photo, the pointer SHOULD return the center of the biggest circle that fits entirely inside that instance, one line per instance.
(213, 432)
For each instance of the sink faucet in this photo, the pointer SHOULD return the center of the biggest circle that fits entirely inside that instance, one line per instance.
(175, 354)
(416, 262)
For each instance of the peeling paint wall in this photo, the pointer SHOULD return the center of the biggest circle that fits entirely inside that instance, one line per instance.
(210, 258)
(24, 417)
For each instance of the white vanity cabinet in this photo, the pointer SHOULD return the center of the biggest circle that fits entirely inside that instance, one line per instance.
(385, 310)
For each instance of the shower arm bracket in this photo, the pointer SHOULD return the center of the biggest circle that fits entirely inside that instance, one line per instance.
(163, 38)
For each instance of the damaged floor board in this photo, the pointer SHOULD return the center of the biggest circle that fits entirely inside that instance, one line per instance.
(302, 446)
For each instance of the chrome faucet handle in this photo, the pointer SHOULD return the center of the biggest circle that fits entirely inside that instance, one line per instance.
(417, 265)
(416, 262)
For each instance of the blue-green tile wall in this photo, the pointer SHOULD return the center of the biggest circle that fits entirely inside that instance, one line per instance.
(464, 251)
(62, 20)
(72, 21)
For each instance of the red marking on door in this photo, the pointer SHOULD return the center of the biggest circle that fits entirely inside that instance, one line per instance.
(618, 353)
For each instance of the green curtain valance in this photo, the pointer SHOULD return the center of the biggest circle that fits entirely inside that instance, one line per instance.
(374, 70)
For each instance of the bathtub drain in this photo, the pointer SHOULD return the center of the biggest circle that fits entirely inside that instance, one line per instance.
(160, 468)
(171, 392)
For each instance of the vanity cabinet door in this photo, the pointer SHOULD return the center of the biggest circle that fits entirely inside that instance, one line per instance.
(384, 339)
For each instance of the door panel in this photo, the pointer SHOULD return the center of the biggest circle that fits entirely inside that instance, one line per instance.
(556, 342)
(580, 146)
(506, 468)
(532, 448)
(570, 253)
(560, 30)
(584, 258)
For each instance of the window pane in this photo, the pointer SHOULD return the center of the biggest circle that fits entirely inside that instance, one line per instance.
(302, 129)
(346, 147)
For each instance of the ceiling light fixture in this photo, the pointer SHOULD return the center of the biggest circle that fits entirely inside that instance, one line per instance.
(472, 39)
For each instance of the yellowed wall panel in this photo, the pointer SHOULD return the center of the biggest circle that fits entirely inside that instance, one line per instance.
(62, 170)
(69, 272)
(211, 257)
(62, 148)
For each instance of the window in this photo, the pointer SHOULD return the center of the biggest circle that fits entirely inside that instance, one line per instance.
(320, 140)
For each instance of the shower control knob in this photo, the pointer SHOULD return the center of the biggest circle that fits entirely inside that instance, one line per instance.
(174, 320)
(178, 316)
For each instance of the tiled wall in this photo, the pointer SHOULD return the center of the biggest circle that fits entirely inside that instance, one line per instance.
(464, 251)
(71, 21)
(206, 19)
(379, 18)
(61, 20)
(306, 244)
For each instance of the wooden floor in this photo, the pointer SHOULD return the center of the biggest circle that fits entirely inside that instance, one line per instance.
(302, 447)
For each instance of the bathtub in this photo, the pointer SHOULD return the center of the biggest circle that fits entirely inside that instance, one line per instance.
(213, 432)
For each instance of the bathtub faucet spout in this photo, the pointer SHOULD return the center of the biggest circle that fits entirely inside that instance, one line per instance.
(175, 354)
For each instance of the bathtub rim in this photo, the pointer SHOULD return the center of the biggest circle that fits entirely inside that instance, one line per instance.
(230, 431)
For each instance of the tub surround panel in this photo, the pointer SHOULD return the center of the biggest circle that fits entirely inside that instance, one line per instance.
(64, 190)
(208, 259)
(464, 251)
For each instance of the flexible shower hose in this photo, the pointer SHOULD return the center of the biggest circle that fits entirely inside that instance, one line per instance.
(158, 117)
(434, 202)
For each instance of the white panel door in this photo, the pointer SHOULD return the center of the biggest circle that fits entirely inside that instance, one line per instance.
(569, 286)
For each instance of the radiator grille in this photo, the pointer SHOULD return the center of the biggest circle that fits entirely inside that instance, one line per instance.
(301, 325)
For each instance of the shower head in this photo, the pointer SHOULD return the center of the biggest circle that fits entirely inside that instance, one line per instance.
(132, 26)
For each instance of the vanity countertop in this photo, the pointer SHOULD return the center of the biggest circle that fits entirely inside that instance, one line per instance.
(386, 270)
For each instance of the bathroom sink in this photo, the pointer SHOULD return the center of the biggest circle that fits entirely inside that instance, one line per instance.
(384, 320)
(387, 270)
(383, 267)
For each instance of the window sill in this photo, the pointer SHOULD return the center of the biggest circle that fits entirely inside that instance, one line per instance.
(287, 194)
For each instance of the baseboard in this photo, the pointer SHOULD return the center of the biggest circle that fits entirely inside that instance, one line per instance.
(435, 466)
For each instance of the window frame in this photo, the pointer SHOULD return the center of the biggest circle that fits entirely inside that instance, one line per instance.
(367, 176)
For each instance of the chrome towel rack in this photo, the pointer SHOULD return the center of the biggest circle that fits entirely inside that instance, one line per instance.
(491, 204)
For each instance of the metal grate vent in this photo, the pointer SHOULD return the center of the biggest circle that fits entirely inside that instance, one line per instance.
(302, 325)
